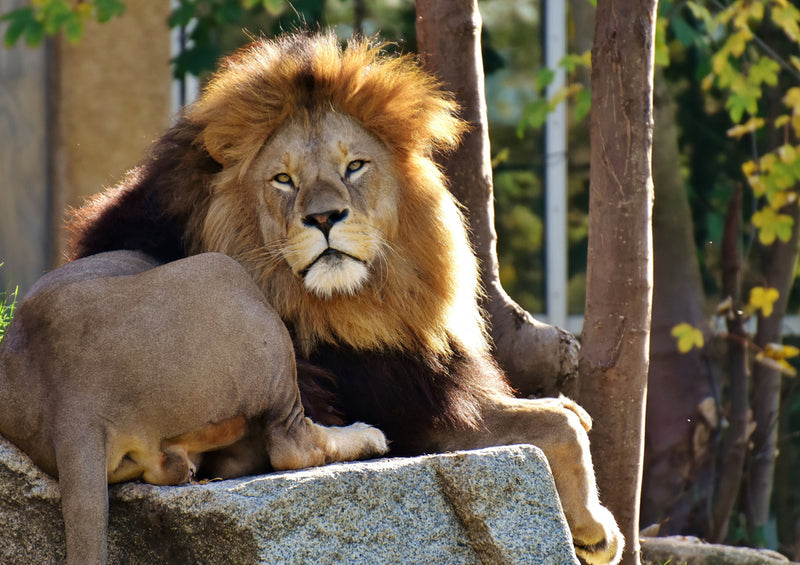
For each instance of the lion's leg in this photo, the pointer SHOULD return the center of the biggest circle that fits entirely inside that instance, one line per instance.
(80, 457)
(296, 442)
(558, 427)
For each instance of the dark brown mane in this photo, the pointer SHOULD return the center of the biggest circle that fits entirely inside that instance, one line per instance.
(406, 394)
(149, 210)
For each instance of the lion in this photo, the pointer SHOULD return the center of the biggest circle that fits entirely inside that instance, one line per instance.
(312, 165)
(95, 390)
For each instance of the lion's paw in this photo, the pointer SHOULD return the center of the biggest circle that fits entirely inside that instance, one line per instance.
(358, 441)
(607, 548)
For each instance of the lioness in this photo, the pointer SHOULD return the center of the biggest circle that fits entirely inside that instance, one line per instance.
(115, 368)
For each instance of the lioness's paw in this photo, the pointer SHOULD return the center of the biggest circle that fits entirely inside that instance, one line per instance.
(607, 549)
(358, 441)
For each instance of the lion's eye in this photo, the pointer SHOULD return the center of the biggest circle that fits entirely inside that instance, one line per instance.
(283, 179)
(355, 166)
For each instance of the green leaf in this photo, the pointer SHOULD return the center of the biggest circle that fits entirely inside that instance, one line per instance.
(571, 62)
(765, 71)
(107, 9)
(34, 34)
(583, 104)
(183, 14)
(534, 115)
(661, 47)
(274, 7)
(228, 12)
(19, 21)
(743, 98)
(73, 29)
(544, 78)
(685, 34)
(54, 15)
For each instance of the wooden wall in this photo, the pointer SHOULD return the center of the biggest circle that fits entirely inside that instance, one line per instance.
(73, 119)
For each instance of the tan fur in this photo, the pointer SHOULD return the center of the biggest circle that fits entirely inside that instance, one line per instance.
(116, 369)
(362, 97)
(373, 267)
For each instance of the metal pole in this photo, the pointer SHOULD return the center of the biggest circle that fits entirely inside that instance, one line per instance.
(555, 174)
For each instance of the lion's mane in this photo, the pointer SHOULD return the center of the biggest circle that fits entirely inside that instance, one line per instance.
(408, 352)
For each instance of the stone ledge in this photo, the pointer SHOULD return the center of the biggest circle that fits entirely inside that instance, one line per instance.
(496, 505)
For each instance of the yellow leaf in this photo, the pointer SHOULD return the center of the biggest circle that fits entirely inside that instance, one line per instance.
(688, 337)
(780, 351)
(772, 225)
(738, 41)
(780, 365)
(781, 121)
(749, 126)
(759, 188)
(781, 199)
(763, 299)
(787, 153)
(84, 10)
(767, 163)
(792, 99)
(748, 11)
(749, 167)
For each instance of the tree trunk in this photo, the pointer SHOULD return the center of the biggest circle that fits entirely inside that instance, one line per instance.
(616, 334)
(779, 270)
(539, 359)
(732, 464)
(679, 452)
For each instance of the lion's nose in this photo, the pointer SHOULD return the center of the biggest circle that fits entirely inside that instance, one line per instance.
(324, 221)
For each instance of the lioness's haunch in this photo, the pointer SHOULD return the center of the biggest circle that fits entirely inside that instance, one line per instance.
(114, 369)
(312, 165)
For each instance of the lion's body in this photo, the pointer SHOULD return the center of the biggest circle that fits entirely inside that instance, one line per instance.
(115, 368)
(312, 166)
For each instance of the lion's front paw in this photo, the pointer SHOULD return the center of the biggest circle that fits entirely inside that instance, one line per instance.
(606, 545)
(357, 441)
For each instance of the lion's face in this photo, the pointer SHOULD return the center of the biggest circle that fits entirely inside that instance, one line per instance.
(327, 201)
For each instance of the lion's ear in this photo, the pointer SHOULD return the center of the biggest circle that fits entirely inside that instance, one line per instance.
(232, 150)
(218, 146)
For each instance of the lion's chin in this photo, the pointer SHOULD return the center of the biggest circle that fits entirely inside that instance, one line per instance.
(335, 273)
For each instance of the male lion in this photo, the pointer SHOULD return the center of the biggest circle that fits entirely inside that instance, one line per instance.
(311, 165)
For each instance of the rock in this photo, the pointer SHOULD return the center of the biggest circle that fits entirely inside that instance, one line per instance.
(495, 505)
(691, 551)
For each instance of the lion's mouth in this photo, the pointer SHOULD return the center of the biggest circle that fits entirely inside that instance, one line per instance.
(332, 257)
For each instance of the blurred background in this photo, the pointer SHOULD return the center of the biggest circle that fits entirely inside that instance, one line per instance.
(81, 99)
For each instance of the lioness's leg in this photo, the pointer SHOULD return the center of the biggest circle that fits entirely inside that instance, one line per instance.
(558, 427)
(81, 461)
(296, 442)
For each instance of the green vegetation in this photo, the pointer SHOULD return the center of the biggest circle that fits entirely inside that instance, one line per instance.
(8, 301)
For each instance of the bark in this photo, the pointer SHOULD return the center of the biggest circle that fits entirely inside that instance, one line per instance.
(539, 359)
(679, 438)
(735, 450)
(779, 273)
(614, 356)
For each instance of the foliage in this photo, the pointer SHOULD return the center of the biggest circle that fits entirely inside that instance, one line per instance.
(741, 68)
(50, 17)
(750, 91)
(8, 301)
(535, 113)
